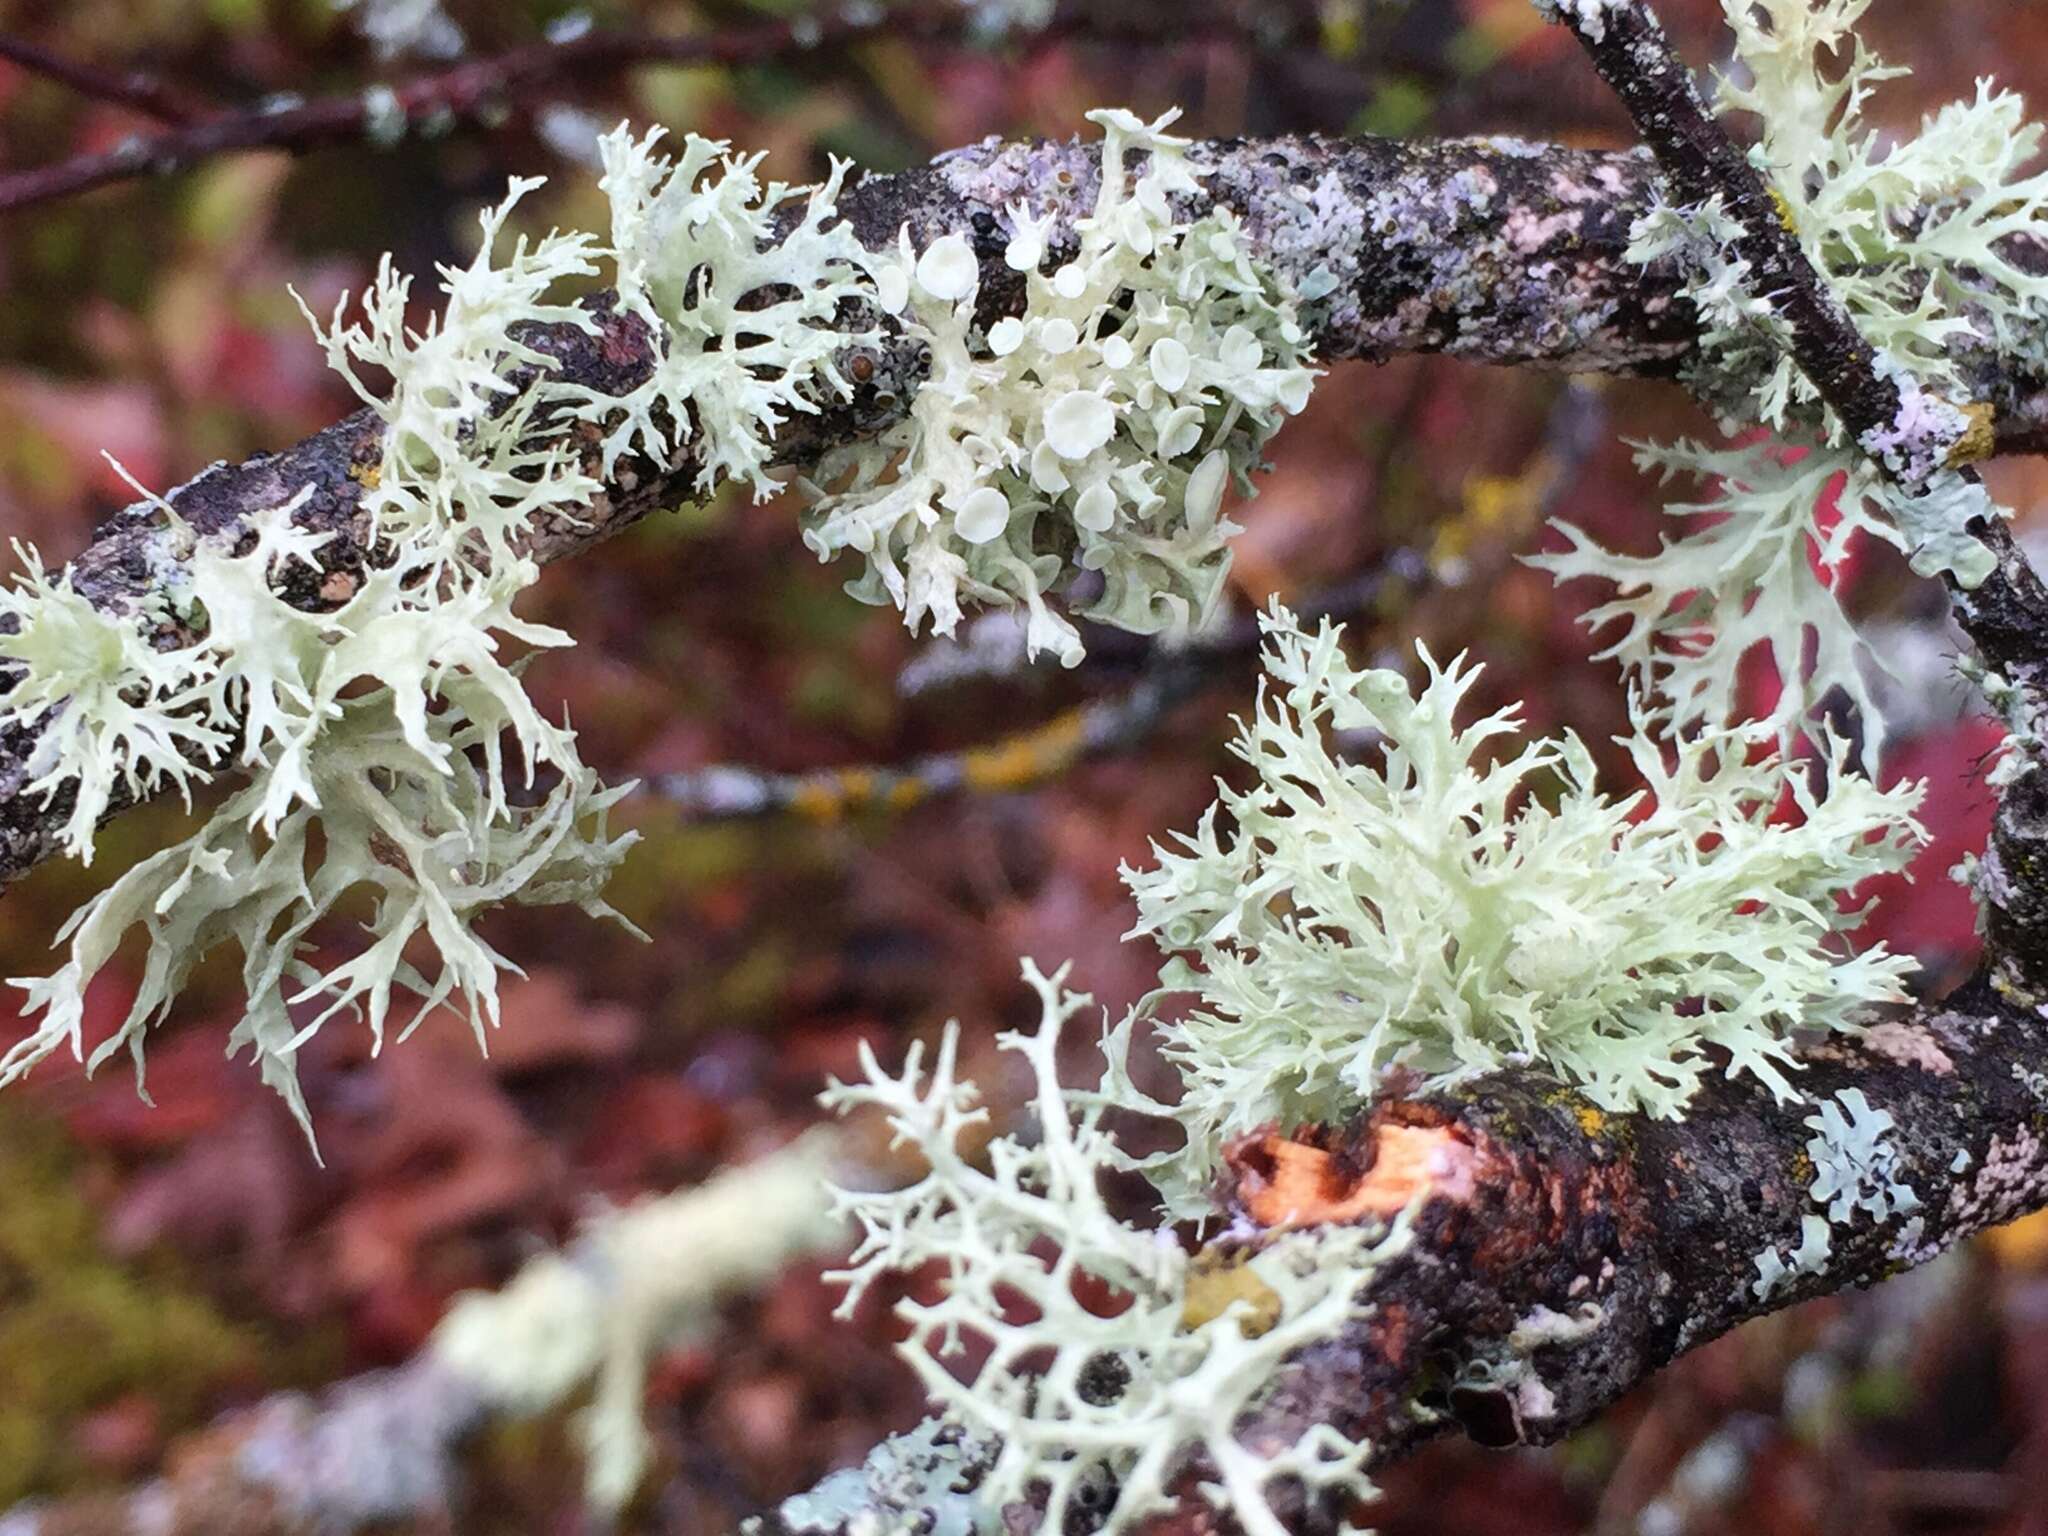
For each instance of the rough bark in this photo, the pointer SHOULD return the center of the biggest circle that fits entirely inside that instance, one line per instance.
(1491, 249)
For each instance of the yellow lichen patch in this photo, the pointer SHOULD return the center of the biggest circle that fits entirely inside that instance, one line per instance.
(1785, 214)
(1979, 438)
(1592, 1121)
(905, 793)
(1216, 1281)
(369, 476)
(856, 786)
(1023, 760)
(818, 800)
(1494, 505)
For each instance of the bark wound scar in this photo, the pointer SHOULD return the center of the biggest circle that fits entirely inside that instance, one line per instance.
(1282, 1183)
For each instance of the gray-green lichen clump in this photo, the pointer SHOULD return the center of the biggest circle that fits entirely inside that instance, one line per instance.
(1450, 911)
(1092, 433)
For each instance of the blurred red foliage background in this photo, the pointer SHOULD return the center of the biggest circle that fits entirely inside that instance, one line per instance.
(158, 1265)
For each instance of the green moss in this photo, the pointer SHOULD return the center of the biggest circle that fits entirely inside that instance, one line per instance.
(79, 1330)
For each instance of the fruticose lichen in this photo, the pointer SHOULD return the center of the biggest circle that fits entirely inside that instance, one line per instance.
(1454, 909)
(111, 711)
(1095, 1414)
(371, 734)
(1910, 236)
(636, 1281)
(741, 313)
(1094, 433)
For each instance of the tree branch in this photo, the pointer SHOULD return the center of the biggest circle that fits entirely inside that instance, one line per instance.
(1490, 250)
(486, 89)
(1118, 722)
(2006, 615)
(136, 90)
(430, 102)
(1561, 1255)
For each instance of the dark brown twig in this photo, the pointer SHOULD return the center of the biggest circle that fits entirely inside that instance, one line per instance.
(136, 90)
(428, 103)
(1629, 48)
(481, 90)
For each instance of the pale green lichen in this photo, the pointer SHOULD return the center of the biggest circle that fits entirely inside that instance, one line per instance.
(1855, 1166)
(1093, 1413)
(1776, 1268)
(741, 313)
(1907, 233)
(111, 712)
(461, 477)
(1095, 433)
(1143, 375)
(1456, 907)
(636, 1281)
(1907, 229)
(1751, 568)
(372, 736)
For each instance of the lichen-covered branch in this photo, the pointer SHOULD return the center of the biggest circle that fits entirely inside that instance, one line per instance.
(1495, 250)
(2005, 613)
(1559, 1250)
(1561, 1254)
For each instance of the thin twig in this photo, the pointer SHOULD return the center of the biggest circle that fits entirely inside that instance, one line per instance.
(133, 89)
(1117, 723)
(1167, 675)
(1628, 47)
(483, 90)
(430, 103)
(2006, 614)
